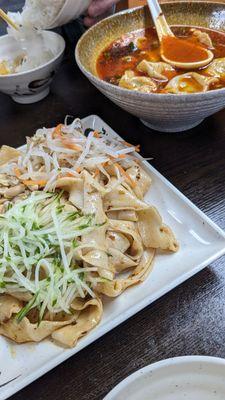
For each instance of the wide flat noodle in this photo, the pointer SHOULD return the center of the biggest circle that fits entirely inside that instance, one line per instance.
(139, 274)
(23, 296)
(118, 244)
(25, 331)
(95, 251)
(8, 154)
(154, 233)
(120, 261)
(117, 241)
(8, 306)
(129, 229)
(112, 251)
(126, 215)
(97, 258)
(90, 313)
(86, 315)
(75, 188)
(121, 198)
(141, 179)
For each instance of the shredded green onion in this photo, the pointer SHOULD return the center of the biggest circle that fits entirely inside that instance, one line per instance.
(39, 238)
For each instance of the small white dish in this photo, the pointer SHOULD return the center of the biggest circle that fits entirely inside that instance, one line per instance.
(201, 243)
(33, 85)
(70, 11)
(191, 378)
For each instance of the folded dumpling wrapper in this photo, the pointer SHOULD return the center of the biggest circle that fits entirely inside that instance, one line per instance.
(139, 83)
(217, 68)
(155, 69)
(202, 37)
(191, 82)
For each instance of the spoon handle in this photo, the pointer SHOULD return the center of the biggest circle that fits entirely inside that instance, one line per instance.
(155, 9)
(159, 19)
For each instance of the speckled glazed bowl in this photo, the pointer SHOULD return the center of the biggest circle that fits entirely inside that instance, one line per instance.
(162, 112)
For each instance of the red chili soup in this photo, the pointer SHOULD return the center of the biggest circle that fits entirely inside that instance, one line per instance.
(121, 63)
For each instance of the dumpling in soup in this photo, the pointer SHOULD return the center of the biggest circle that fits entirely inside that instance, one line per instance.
(139, 83)
(191, 82)
(217, 68)
(203, 38)
(155, 69)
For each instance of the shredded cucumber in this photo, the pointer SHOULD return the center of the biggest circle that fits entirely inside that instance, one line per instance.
(39, 238)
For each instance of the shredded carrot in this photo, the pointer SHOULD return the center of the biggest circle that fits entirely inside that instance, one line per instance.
(67, 143)
(97, 172)
(78, 170)
(31, 182)
(17, 172)
(121, 156)
(127, 143)
(112, 158)
(73, 147)
(137, 148)
(69, 175)
(126, 175)
(57, 131)
(96, 134)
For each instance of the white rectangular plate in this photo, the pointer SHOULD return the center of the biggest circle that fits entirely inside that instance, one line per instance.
(201, 242)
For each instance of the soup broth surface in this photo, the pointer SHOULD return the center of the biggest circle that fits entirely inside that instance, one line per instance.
(126, 54)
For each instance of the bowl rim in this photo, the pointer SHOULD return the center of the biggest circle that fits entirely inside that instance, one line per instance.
(15, 74)
(174, 361)
(137, 94)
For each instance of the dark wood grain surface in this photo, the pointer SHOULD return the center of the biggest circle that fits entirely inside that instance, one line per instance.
(188, 320)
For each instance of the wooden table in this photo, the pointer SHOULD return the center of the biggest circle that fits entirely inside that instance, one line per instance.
(190, 319)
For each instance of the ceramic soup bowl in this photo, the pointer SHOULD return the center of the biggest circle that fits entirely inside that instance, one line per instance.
(162, 112)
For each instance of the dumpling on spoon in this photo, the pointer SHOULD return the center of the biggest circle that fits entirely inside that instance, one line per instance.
(139, 83)
(191, 82)
(155, 69)
(217, 68)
